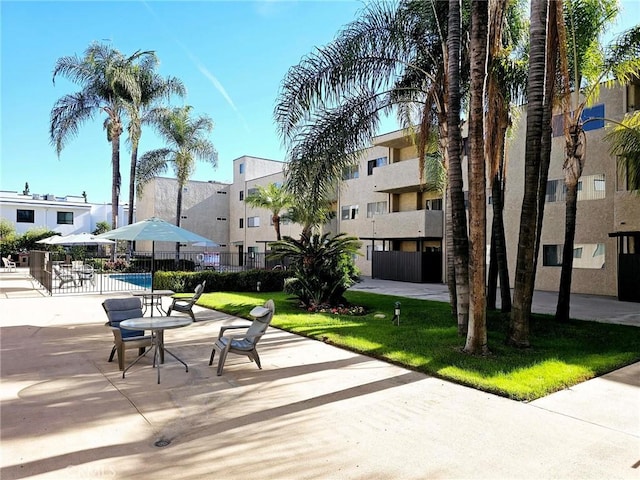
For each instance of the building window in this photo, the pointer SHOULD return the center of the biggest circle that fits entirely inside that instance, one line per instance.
(241, 168)
(556, 191)
(593, 187)
(577, 252)
(253, 222)
(434, 204)
(349, 212)
(252, 191)
(241, 195)
(252, 251)
(25, 216)
(241, 223)
(378, 162)
(222, 219)
(591, 256)
(221, 192)
(552, 255)
(593, 118)
(626, 180)
(376, 208)
(350, 172)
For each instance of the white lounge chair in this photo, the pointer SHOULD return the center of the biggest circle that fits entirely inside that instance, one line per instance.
(8, 264)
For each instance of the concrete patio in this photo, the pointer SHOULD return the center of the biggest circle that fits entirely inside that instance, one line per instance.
(313, 412)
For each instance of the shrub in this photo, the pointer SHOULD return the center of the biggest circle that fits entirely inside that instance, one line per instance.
(322, 267)
(245, 281)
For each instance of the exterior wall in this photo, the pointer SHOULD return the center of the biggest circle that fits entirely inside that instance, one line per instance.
(255, 172)
(617, 211)
(45, 211)
(205, 211)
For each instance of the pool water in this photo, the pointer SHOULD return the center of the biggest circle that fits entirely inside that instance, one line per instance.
(142, 280)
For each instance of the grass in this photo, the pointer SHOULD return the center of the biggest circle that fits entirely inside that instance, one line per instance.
(562, 354)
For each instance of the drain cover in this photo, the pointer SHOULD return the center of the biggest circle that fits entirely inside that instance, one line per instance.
(162, 442)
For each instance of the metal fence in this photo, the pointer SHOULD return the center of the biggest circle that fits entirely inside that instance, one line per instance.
(61, 273)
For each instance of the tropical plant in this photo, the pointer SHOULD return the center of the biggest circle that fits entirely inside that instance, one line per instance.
(153, 89)
(101, 227)
(186, 139)
(7, 228)
(107, 80)
(274, 198)
(588, 64)
(321, 266)
(624, 142)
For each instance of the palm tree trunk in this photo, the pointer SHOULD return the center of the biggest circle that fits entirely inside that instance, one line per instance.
(132, 184)
(458, 213)
(524, 275)
(477, 333)
(276, 225)
(492, 275)
(178, 217)
(115, 179)
(564, 291)
(501, 242)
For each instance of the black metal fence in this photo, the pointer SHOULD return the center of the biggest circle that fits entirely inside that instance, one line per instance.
(62, 273)
(417, 267)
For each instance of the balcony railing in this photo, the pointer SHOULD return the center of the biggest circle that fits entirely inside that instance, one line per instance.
(416, 223)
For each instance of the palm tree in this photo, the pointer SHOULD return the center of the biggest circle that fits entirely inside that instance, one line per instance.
(506, 82)
(477, 332)
(454, 151)
(153, 89)
(331, 103)
(585, 21)
(541, 62)
(275, 199)
(106, 79)
(186, 139)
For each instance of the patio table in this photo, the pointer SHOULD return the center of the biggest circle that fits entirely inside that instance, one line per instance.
(153, 299)
(157, 326)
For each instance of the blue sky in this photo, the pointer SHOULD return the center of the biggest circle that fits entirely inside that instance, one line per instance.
(231, 55)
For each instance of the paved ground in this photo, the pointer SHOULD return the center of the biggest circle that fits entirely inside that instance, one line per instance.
(313, 412)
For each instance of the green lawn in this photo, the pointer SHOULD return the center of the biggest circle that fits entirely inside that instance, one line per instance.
(427, 341)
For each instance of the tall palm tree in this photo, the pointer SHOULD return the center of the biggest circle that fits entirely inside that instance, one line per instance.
(153, 89)
(186, 142)
(506, 82)
(588, 64)
(454, 154)
(331, 103)
(273, 198)
(106, 79)
(541, 46)
(477, 330)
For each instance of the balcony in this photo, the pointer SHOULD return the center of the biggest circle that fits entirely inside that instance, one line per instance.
(416, 223)
(399, 177)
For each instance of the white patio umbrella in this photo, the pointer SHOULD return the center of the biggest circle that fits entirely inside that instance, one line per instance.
(75, 239)
(156, 230)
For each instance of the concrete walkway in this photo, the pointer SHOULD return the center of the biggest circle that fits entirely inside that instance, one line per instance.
(313, 412)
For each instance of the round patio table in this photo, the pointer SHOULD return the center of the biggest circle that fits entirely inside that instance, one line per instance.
(157, 325)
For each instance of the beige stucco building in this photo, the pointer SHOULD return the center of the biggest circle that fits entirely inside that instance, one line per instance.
(401, 225)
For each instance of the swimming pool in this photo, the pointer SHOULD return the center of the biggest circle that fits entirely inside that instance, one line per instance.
(142, 280)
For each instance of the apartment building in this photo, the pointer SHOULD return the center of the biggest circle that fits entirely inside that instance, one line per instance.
(66, 215)
(400, 223)
(607, 240)
(251, 229)
(205, 210)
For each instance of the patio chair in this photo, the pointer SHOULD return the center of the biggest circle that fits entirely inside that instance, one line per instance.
(85, 274)
(243, 344)
(185, 304)
(64, 276)
(117, 310)
(8, 264)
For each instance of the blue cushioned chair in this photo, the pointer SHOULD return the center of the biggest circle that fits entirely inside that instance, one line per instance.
(117, 310)
(243, 344)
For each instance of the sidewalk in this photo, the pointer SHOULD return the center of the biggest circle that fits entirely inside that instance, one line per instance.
(313, 412)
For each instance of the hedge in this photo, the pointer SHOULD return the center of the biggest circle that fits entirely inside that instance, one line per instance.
(245, 281)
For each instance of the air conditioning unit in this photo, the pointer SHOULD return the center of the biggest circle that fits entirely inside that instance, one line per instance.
(49, 196)
(36, 196)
